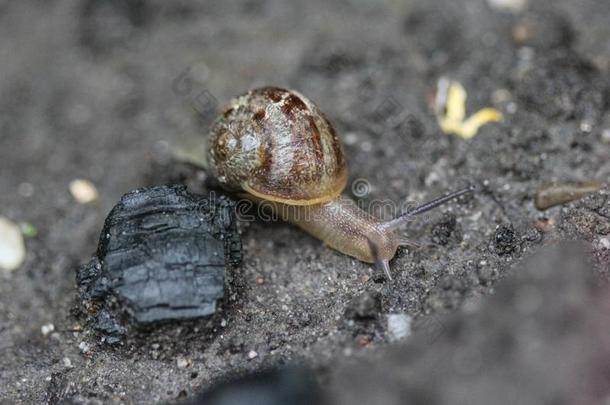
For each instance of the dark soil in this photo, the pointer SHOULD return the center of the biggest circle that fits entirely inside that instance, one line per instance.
(106, 90)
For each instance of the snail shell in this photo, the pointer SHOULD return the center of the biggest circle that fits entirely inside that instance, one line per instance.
(277, 145)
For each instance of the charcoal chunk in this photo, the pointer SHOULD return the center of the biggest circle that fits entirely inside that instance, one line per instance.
(505, 240)
(161, 256)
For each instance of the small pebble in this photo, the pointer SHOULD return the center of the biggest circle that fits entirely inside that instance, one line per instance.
(12, 247)
(84, 347)
(399, 326)
(47, 328)
(606, 135)
(67, 362)
(252, 354)
(182, 362)
(604, 243)
(83, 191)
(505, 240)
(586, 126)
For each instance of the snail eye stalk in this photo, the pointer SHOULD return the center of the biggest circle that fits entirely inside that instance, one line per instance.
(404, 218)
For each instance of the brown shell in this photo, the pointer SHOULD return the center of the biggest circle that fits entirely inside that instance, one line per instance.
(277, 145)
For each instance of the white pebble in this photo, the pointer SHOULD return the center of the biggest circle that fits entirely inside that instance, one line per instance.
(84, 347)
(12, 247)
(399, 326)
(604, 243)
(67, 362)
(586, 126)
(47, 328)
(182, 362)
(252, 354)
(83, 191)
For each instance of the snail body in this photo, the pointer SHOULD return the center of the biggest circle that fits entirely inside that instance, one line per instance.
(343, 226)
(274, 146)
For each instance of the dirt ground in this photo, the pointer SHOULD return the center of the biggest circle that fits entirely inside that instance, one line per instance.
(108, 90)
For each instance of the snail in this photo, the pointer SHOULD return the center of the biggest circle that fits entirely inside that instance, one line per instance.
(274, 146)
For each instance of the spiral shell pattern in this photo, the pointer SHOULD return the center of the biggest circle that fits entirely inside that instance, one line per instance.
(277, 145)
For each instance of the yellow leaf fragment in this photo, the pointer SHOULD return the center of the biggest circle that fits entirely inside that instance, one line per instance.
(451, 111)
(471, 126)
(456, 103)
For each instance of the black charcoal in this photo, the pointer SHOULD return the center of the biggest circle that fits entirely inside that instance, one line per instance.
(161, 256)
(505, 240)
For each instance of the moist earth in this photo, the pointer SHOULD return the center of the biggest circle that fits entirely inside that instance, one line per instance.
(112, 91)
